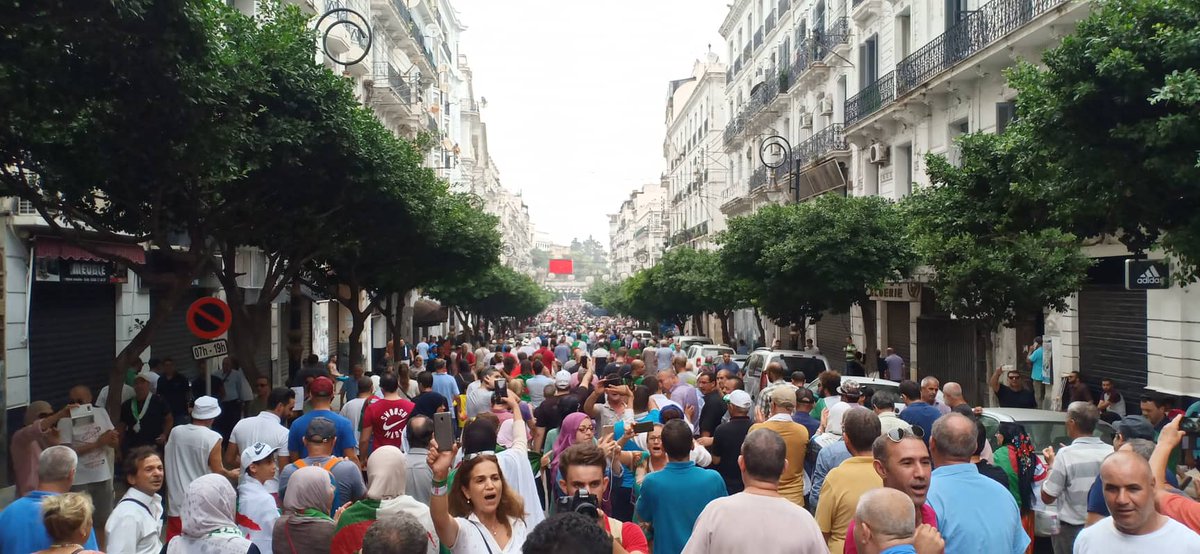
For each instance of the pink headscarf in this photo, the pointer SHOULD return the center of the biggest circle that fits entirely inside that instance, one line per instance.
(566, 438)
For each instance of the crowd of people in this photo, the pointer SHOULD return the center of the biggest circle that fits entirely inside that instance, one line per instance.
(581, 439)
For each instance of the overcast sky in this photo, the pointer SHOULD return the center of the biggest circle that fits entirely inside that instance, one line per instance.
(576, 93)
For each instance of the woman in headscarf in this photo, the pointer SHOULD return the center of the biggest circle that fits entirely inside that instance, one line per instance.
(306, 527)
(208, 520)
(386, 482)
(1015, 455)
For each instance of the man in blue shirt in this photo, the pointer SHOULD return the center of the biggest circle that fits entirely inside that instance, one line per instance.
(673, 498)
(916, 411)
(1037, 367)
(728, 364)
(320, 394)
(975, 513)
(22, 529)
(444, 383)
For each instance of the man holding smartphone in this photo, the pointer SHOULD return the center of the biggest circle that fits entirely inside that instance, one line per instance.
(479, 393)
(584, 483)
(617, 397)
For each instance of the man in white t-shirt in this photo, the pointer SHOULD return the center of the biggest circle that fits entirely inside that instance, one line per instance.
(850, 393)
(266, 427)
(1135, 525)
(90, 433)
(353, 409)
(193, 451)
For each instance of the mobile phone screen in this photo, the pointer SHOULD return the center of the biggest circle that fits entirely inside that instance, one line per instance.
(443, 430)
(643, 427)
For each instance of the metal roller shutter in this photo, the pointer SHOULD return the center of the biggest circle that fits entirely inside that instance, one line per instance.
(948, 349)
(832, 331)
(1112, 340)
(898, 329)
(173, 339)
(262, 350)
(72, 338)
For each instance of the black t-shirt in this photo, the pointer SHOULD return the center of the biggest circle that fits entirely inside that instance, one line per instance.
(994, 472)
(727, 443)
(1015, 399)
(427, 404)
(546, 414)
(177, 392)
(151, 425)
(713, 411)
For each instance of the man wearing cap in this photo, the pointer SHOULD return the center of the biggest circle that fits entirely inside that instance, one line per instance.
(193, 450)
(266, 427)
(805, 401)
(256, 506)
(321, 396)
(725, 444)
(146, 418)
(546, 415)
(795, 436)
(1132, 428)
(318, 436)
(849, 392)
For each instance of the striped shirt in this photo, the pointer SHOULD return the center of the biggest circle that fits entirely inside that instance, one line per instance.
(1075, 469)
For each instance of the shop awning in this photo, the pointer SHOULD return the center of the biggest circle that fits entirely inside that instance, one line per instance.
(427, 313)
(54, 247)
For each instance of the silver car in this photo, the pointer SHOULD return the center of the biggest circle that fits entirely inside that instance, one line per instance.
(792, 360)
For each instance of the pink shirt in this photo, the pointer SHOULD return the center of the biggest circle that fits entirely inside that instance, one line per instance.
(27, 446)
(928, 517)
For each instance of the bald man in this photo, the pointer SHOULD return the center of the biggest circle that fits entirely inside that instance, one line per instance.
(953, 395)
(1135, 525)
(884, 523)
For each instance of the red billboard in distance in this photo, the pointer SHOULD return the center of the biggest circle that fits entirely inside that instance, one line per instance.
(562, 267)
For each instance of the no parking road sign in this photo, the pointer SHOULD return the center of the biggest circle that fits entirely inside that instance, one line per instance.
(209, 318)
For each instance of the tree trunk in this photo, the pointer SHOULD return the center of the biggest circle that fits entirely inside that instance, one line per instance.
(358, 322)
(244, 329)
(762, 333)
(870, 340)
(180, 284)
(724, 317)
(697, 324)
(989, 358)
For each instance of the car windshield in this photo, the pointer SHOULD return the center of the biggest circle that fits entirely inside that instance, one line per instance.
(1044, 433)
(810, 366)
(714, 351)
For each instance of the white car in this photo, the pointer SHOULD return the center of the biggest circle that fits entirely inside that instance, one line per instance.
(792, 360)
(1045, 428)
(702, 352)
(864, 383)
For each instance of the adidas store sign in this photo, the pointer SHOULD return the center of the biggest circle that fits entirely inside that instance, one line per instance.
(1147, 274)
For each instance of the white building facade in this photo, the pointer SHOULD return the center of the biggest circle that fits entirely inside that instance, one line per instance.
(638, 231)
(694, 155)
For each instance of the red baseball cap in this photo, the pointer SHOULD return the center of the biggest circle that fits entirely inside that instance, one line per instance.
(321, 386)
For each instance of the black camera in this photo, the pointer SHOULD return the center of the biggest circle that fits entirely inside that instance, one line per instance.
(582, 502)
(1190, 425)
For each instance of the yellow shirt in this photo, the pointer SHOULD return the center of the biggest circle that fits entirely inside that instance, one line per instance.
(795, 437)
(839, 497)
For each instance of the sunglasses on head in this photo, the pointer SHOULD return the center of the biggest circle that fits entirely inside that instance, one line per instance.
(898, 434)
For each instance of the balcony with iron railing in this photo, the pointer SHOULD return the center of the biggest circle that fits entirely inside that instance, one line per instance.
(805, 55)
(758, 38)
(431, 123)
(354, 32)
(834, 35)
(746, 53)
(391, 86)
(819, 146)
(769, 24)
(871, 98)
(973, 33)
(784, 6)
(758, 178)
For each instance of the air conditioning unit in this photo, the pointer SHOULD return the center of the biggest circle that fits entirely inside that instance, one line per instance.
(826, 106)
(878, 154)
(806, 121)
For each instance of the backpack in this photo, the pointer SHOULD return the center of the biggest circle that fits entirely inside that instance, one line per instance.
(328, 466)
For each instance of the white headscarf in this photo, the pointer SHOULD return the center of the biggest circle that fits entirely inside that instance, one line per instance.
(208, 514)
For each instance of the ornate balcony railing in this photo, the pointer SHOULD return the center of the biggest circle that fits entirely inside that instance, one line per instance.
(431, 123)
(769, 24)
(386, 75)
(758, 178)
(973, 33)
(758, 38)
(855, 3)
(871, 98)
(829, 139)
(805, 54)
(746, 53)
(356, 34)
(838, 32)
(784, 6)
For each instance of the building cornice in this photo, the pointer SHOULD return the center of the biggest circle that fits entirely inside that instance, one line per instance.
(733, 17)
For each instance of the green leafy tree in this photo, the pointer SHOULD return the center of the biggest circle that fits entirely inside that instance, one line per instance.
(799, 261)
(1110, 127)
(498, 294)
(992, 262)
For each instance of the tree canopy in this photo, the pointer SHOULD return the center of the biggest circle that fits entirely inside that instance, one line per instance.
(800, 260)
(1109, 127)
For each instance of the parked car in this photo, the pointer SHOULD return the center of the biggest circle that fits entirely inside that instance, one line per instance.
(864, 383)
(706, 351)
(792, 360)
(643, 336)
(1045, 428)
(684, 342)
